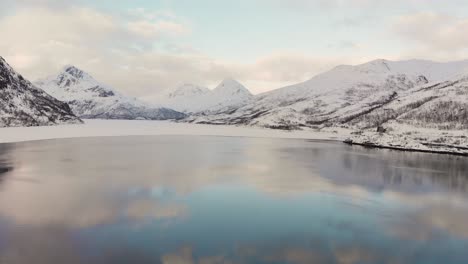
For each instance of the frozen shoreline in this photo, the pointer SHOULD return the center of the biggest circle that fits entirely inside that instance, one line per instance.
(406, 139)
(110, 128)
(410, 138)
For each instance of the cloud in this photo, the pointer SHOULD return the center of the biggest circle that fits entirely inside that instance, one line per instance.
(8, 6)
(140, 52)
(363, 4)
(145, 209)
(437, 34)
(153, 29)
(281, 69)
(351, 255)
(431, 221)
(183, 256)
(39, 245)
(325, 4)
(41, 41)
(434, 30)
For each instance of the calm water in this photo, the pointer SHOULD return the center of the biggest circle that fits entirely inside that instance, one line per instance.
(209, 200)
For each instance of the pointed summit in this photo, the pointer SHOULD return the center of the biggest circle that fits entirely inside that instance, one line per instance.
(92, 99)
(231, 87)
(191, 98)
(68, 77)
(74, 71)
(5, 69)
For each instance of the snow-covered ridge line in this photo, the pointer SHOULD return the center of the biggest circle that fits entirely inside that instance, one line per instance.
(337, 97)
(91, 99)
(193, 99)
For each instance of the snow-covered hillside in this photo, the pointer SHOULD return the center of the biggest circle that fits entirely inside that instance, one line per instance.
(90, 99)
(23, 104)
(429, 117)
(189, 98)
(339, 97)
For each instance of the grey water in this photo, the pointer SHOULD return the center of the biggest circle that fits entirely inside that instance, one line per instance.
(208, 200)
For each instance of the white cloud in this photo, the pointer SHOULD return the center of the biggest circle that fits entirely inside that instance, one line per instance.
(441, 32)
(154, 29)
(39, 41)
(143, 51)
(120, 51)
(283, 68)
(433, 35)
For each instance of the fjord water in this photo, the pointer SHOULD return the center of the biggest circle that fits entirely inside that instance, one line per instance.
(182, 199)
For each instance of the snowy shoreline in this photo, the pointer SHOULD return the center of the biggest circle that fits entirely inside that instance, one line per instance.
(433, 151)
(410, 138)
(401, 141)
(112, 128)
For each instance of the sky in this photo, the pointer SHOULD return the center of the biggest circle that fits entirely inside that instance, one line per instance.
(143, 47)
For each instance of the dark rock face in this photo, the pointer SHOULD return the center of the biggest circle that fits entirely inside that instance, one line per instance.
(381, 129)
(23, 104)
(101, 92)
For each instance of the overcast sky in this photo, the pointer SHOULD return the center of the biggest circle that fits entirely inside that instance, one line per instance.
(144, 46)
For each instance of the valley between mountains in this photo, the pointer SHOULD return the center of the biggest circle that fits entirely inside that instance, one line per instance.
(409, 105)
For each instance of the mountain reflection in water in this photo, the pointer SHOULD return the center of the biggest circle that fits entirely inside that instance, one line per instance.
(182, 199)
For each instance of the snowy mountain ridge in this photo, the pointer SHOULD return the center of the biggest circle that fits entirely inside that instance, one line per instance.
(91, 99)
(23, 104)
(195, 99)
(187, 90)
(336, 97)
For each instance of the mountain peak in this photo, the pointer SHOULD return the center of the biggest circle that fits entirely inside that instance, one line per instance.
(230, 81)
(74, 71)
(376, 65)
(70, 76)
(188, 89)
(89, 98)
(232, 87)
(4, 64)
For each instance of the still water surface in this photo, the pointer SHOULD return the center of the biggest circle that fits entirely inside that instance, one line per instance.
(208, 200)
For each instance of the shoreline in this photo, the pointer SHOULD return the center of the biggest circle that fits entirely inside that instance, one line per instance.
(428, 151)
(121, 128)
(116, 128)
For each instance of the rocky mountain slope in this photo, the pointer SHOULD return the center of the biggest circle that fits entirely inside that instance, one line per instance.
(430, 117)
(189, 98)
(90, 99)
(23, 104)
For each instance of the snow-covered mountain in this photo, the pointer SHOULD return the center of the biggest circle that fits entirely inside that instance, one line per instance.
(90, 99)
(23, 104)
(432, 117)
(342, 96)
(442, 105)
(189, 98)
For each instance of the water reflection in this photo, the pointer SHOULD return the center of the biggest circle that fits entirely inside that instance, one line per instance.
(228, 200)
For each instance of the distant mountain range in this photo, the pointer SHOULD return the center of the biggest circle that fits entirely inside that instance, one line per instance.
(90, 99)
(193, 99)
(377, 96)
(23, 104)
(414, 92)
